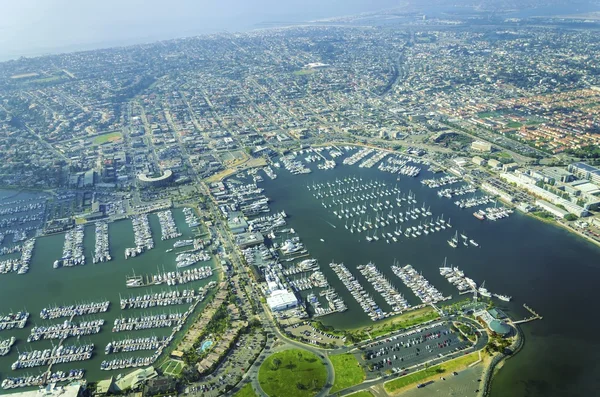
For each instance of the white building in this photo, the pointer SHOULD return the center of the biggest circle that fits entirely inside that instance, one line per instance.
(523, 181)
(551, 208)
(281, 299)
(481, 146)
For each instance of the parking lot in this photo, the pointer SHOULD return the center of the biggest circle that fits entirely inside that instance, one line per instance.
(309, 334)
(417, 346)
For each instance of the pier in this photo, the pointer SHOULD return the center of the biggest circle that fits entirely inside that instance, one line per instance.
(534, 316)
(131, 345)
(57, 355)
(148, 322)
(165, 298)
(65, 330)
(13, 320)
(74, 310)
(169, 278)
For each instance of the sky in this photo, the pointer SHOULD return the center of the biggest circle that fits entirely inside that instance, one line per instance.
(36, 27)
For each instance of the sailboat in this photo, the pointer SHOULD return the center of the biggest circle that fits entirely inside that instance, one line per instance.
(483, 291)
(453, 242)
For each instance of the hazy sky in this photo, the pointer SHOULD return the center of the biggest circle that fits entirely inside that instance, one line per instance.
(33, 27)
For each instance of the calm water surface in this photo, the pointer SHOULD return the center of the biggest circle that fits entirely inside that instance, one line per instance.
(544, 266)
(44, 286)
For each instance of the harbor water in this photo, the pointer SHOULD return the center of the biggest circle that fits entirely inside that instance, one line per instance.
(544, 266)
(43, 286)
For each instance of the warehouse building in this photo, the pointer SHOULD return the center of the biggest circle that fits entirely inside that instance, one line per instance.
(281, 299)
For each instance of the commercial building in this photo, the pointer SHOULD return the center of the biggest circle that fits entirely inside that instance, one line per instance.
(586, 171)
(496, 325)
(245, 240)
(551, 208)
(162, 180)
(281, 300)
(479, 160)
(481, 146)
(495, 164)
(136, 378)
(510, 167)
(526, 182)
(559, 174)
(236, 222)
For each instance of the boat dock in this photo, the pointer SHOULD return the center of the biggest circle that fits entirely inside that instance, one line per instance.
(65, 330)
(42, 379)
(534, 316)
(169, 278)
(148, 322)
(74, 310)
(131, 345)
(13, 320)
(165, 298)
(57, 355)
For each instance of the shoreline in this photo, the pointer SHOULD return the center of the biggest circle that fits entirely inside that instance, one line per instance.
(553, 222)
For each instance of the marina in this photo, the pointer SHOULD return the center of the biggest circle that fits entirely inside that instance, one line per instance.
(18, 265)
(57, 355)
(6, 345)
(13, 320)
(418, 284)
(65, 330)
(90, 293)
(382, 285)
(39, 380)
(82, 309)
(168, 228)
(164, 298)
(72, 254)
(358, 292)
(169, 278)
(142, 236)
(147, 322)
(102, 249)
(132, 345)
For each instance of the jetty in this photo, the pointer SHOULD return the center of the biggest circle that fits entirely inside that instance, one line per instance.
(534, 316)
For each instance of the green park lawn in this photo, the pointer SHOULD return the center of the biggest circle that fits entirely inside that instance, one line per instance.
(362, 393)
(436, 370)
(245, 391)
(111, 136)
(292, 373)
(348, 371)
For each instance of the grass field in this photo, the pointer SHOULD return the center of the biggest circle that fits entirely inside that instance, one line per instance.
(292, 373)
(348, 371)
(171, 367)
(362, 393)
(486, 115)
(514, 124)
(111, 136)
(396, 323)
(245, 391)
(435, 371)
